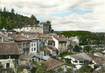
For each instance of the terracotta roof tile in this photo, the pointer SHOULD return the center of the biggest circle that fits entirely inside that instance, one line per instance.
(9, 49)
(21, 38)
(52, 64)
(98, 60)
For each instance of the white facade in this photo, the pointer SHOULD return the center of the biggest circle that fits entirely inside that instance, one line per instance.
(56, 42)
(73, 60)
(62, 44)
(34, 46)
(76, 62)
(4, 63)
(74, 40)
(30, 29)
(41, 28)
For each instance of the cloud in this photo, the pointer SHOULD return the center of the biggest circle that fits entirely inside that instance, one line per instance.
(64, 14)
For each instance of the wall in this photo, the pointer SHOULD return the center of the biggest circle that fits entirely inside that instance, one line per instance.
(5, 61)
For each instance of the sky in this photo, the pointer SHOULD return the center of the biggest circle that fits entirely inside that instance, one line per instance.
(65, 15)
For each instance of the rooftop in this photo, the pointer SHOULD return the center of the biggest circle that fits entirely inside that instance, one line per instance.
(53, 63)
(60, 38)
(20, 38)
(9, 48)
(82, 56)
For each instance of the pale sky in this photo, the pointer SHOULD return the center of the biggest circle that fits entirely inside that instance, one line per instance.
(88, 15)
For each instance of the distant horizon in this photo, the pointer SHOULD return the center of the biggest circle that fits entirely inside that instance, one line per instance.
(65, 15)
(78, 31)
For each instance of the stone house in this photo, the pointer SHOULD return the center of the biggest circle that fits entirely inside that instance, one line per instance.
(4, 37)
(29, 45)
(9, 54)
(61, 43)
(23, 43)
(42, 27)
(78, 60)
(55, 65)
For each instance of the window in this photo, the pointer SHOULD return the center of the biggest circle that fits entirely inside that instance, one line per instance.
(7, 65)
(34, 44)
(31, 44)
(75, 61)
(81, 61)
(34, 49)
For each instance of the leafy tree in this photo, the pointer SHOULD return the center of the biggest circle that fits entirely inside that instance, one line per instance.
(4, 10)
(85, 37)
(41, 68)
(12, 11)
(87, 49)
(49, 24)
(33, 20)
(10, 20)
(77, 48)
(1, 66)
(33, 70)
(85, 69)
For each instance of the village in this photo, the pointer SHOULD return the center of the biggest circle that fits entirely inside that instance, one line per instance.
(36, 49)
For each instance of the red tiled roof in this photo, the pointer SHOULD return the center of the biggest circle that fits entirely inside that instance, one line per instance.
(98, 60)
(9, 49)
(52, 48)
(52, 64)
(21, 38)
(60, 38)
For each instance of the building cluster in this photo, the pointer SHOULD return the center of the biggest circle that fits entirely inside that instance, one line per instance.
(26, 45)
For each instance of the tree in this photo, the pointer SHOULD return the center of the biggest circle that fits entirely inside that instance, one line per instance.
(49, 24)
(1, 67)
(33, 20)
(87, 49)
(41, 69)
(33, 70)
(85, 69)
(4, 10)
(10, 20)
(12, 11)
(77, 48)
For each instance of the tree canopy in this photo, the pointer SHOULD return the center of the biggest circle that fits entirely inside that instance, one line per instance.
(10, 20)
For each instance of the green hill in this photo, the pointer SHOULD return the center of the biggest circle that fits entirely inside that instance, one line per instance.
(85, 37)
(10, 20)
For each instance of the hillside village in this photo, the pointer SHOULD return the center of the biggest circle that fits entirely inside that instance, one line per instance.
(38, 49)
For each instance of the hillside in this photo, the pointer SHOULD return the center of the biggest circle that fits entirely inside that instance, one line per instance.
(85, 37)
(10, 20)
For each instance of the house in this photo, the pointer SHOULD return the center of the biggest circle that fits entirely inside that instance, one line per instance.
(23, 43)
(9, 54)
(4, 37)
(30, 29)
(42, 27)
(61, 43)
(39, 57)
(53, 64)
(29, 45)
(79, 59)
(98, 62)
(74, 41)
(98, 58)
(36, 45)
(46, 27)
(51, 51)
